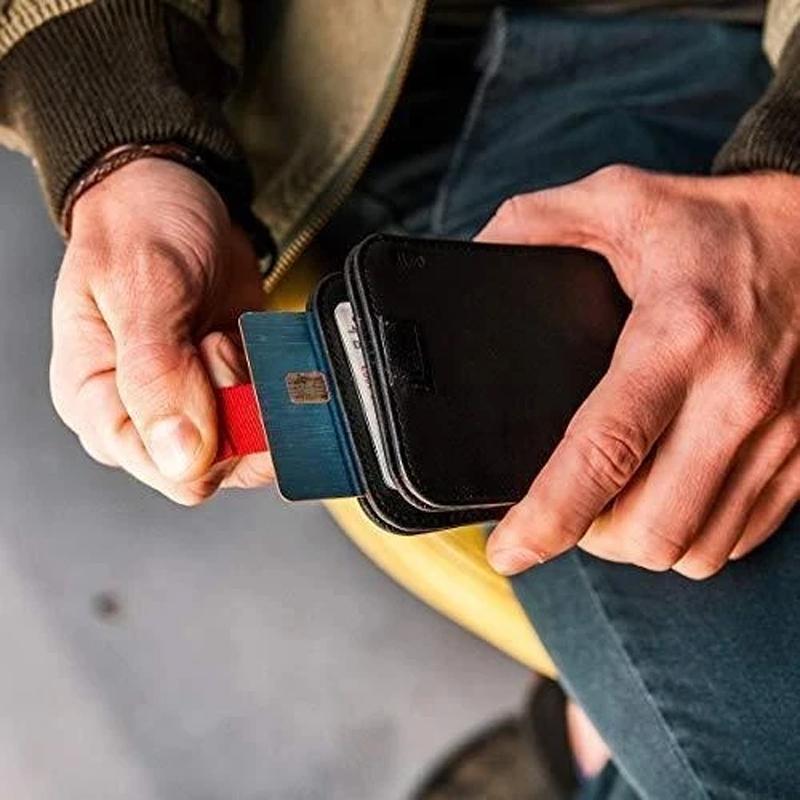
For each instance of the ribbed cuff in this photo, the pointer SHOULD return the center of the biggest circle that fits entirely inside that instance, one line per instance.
(118, 72)
(768, 136)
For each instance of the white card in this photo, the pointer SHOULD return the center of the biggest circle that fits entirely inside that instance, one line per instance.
(346, 323)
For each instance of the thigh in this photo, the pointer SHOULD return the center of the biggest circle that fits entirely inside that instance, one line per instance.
(559, 97)
(693, 685)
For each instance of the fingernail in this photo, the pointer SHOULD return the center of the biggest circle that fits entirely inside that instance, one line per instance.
(173, 444)
(512, 560)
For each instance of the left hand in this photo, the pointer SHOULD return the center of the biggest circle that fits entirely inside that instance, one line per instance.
(691, 441)
(154, 278)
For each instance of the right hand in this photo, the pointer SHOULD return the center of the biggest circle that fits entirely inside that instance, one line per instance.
(144, 326)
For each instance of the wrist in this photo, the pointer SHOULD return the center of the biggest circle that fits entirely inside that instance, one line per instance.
(111, 162)
(122, 156)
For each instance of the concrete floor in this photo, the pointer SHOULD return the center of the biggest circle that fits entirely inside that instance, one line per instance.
(241, 650)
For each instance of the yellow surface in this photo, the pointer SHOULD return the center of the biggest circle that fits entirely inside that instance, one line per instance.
(446, 570)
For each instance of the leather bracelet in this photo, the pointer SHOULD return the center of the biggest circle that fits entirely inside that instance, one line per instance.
(121, 156)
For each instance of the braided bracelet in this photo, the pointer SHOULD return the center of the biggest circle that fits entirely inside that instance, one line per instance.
(121, 156)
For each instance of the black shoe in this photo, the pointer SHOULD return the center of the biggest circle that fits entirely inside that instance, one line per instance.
(520, 758)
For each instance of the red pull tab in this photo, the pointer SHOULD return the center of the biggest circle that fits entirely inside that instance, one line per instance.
(241, 431)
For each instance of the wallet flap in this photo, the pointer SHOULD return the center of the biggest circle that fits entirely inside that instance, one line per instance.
(480, 355)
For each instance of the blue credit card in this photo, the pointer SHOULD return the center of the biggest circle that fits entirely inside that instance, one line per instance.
(308, 440)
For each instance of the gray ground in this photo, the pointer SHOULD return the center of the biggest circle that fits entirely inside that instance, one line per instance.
(242, 650)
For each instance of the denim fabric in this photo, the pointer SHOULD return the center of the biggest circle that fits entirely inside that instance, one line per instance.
(693, 685)
(560, 97)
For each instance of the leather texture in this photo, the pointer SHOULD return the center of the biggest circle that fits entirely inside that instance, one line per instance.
(385, 506)
(479, 356)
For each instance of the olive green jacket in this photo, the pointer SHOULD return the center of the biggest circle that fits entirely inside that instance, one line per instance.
(307, 87)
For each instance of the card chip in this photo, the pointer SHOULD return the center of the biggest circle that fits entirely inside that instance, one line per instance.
(307, 387)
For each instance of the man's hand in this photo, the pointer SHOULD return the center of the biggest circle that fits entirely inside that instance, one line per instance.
(691, 440)
(144, 318)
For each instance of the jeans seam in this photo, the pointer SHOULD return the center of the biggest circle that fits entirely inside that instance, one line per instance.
(674, 745)
(498, 46)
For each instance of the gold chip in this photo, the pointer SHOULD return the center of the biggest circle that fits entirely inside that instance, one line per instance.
(307, 387)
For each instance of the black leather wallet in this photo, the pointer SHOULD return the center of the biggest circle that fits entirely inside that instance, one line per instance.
(448, 372)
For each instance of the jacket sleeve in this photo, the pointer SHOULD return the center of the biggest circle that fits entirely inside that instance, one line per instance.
(79, 78)
(768, 136)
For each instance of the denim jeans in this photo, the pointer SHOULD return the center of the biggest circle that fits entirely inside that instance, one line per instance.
(694, 686)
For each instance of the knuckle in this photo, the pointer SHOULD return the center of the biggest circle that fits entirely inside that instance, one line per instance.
(95, 452)
(789, 429)
(610, 453)
(700, 320)
(619, 175)
(62, 398)
(60, 404)
(194, 494)
(687, 324)
(631, 201)
(655, 549)
(622, 183)
(187, 498)
(763, 395)
(510, 211)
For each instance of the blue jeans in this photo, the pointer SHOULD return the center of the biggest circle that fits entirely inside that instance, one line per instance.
(694, 686)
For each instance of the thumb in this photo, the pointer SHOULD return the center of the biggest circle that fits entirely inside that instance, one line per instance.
(601, 212)
(161, 379)
(556, 216)
(164, 387)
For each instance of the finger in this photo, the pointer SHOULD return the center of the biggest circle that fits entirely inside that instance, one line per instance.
(772, 507)
(758, 461)
(690, 466)
(97, 452)
(549, 216)
(166, 392)
(112, 425)
(246, 286)
(250, 472)
(225, 361)
(603, 212)
(603, 448)
(163, 385)
(82, 347)
(600, 539)
(104, 419)
(84, 390)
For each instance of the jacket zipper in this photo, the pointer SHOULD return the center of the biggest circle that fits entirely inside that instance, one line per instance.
(341, 186)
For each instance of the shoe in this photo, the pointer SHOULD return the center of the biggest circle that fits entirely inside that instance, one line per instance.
(518, 758)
